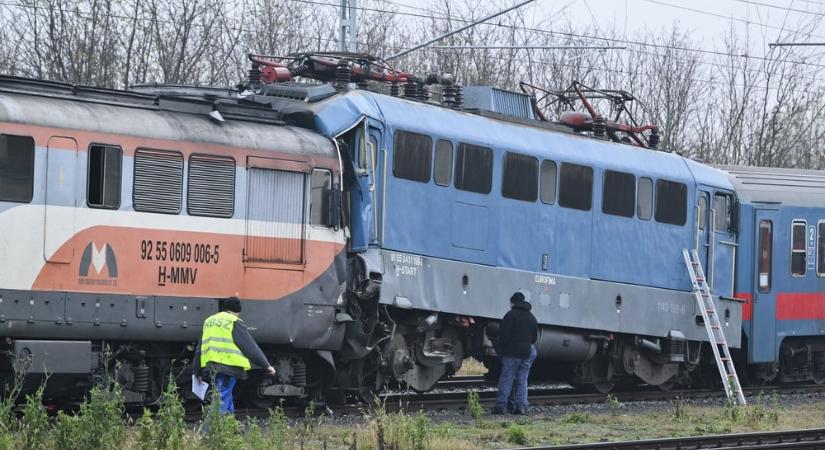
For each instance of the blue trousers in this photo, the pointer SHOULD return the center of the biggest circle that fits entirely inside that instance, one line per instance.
(513, 381)
(224, 384)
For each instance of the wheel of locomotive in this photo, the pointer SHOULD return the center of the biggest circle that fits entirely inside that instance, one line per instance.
(603, 387)
(666, 386)
(819, 377)
(250, 396)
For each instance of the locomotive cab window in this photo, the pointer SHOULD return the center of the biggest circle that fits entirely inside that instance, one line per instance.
(765, 255)
(619, 194)
(412, 156)
(443, 171)
(16, 168)
(799, 252)
(211, 186)
(474, 168)
(521, 177)
(576, 186)
(722, 212)
(820, 249)
(645, 206)
(158, 184)
(320, 183)
(548, 181)
(671, 202)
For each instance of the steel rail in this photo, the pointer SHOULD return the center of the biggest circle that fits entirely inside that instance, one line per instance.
(790, 439)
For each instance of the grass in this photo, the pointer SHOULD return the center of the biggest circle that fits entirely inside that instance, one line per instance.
(99, 425)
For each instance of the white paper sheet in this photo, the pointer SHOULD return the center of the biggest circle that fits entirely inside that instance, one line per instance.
(199, 387)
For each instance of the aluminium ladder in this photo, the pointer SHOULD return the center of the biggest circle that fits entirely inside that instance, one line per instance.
(718, 343)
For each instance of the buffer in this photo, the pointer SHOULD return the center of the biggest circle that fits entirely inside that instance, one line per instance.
(716, 336)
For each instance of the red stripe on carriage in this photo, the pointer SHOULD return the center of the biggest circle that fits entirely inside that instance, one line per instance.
(800, 306)
(747, 307)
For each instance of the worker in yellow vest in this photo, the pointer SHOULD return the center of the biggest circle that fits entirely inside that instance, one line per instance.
(227, 351)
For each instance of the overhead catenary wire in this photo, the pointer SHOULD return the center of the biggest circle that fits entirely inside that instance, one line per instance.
(537, 61)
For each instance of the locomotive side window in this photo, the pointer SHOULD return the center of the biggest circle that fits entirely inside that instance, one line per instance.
(210, 191)
(548, 181)
(765, 255)
(671, 202)
(645, 207)
(576, 186)
(320, 181)
(520, 180)
(158, 184)
(619, 193)
(721, 211)
(16, 168)
(703, 212)
(474, 168)
(443, 172)
(103, 183)
(412, 156)
(798, 251)
(820, 249)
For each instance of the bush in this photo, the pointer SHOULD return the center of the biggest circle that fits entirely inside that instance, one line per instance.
(97, 425)
(474, 406)
(516, 434)
(34, 425)
(164, 430)
(576, 417)
(221, 431)
(278, 426)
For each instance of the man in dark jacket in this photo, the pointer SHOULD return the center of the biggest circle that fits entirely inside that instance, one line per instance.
(516, 336)
(226, 351)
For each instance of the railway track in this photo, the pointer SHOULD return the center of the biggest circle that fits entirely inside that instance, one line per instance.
(792, 439)
(540, 396)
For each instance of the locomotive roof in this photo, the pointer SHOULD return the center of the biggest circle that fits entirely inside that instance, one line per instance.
(339, 113)
(160, 116)
(797, 187)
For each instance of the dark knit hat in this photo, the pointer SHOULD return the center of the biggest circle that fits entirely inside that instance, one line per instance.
(518, 297)
(230, 304)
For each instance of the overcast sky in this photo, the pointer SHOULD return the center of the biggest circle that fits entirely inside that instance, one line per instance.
(707, 20)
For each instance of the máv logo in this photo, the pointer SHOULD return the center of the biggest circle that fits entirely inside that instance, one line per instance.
(98, 259)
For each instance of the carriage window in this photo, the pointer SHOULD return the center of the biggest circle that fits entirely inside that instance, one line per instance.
(320, 181)
(158, 184)
(721, 212)
(703, 212)
(576, 186)
(211, 189)
(798, 248)
(412, 156)
(671, 202)
(16, 168)
(103, 184)
(619, 193)
(820, 249)
(443, 172)
(548, 181)
(765, 255)
(645, 207)
(520, 180)
(474, 168)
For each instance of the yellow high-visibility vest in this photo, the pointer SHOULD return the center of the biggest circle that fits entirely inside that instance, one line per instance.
(217, 344)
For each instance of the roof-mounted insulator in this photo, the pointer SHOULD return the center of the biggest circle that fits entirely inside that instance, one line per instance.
(411, 89)
(395, 89)
(599, 127)
(255, 75)
(653, 139)
(343, 75)
(423, 93)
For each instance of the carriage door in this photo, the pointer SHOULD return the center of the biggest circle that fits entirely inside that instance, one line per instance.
(365, 196)
(723, 244)
(61, 188)
(763, 325)
(703, 232)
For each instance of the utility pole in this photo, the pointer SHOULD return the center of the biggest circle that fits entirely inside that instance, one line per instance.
(349, 27)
